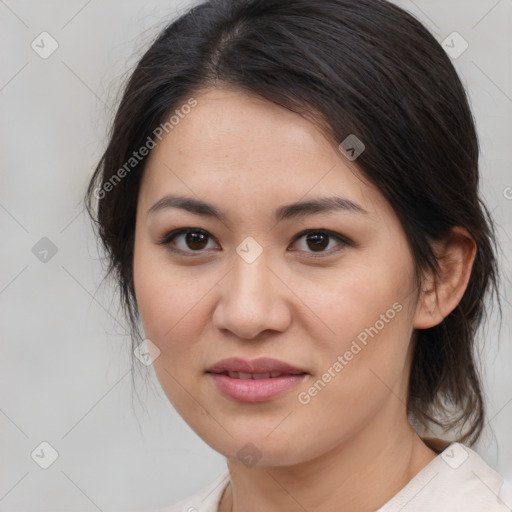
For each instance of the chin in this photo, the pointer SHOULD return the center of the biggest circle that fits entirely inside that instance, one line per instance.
(256, 447)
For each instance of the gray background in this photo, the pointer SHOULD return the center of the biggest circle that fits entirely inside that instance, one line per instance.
(65, 358)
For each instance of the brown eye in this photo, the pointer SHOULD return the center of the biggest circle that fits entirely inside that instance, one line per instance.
(195, 240)
(317, 241)
(186, 240)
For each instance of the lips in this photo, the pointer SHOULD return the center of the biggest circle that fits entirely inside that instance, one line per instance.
(258, 380)
(247, 376)
(261, 368)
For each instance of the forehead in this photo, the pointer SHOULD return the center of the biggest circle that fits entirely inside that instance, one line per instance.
(239, 148)
(230, 125)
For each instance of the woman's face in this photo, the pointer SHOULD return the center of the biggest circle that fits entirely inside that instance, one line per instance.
(260, 281)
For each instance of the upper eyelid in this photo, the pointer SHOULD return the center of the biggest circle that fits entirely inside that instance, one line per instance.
(168, 237)
(321, 230)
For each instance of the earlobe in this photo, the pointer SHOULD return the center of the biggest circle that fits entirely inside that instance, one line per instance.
(442, 292)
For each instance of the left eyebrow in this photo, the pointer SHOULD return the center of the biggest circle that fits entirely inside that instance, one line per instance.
(317, 205)
(287, 211)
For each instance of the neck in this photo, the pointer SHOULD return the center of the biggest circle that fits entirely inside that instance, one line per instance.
(362, 474)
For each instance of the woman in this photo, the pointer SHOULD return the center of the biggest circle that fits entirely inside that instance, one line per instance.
(289, 203)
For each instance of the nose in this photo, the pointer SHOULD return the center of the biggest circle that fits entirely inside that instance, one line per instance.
(253, 299)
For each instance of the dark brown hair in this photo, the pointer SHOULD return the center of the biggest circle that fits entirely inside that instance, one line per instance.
(362, 67)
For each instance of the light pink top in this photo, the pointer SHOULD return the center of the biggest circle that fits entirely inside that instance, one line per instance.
(457, 480)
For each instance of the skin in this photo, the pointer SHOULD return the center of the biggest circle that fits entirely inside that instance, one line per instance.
(351, 443)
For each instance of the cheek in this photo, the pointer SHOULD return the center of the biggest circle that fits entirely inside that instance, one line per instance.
(173, 305)
(364, 355)
(356, 303)
(169, 306)
(361, 372)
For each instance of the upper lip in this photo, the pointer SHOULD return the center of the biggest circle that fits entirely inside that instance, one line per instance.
(260, 365)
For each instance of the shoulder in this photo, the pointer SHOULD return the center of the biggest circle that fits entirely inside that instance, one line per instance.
(205, 500)
(458, 479)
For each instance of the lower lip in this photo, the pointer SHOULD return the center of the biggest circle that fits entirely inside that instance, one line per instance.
(255, 390)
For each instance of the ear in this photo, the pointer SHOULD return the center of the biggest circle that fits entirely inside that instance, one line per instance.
(442, 292)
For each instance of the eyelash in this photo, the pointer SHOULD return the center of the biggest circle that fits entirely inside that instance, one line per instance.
(169, 237)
